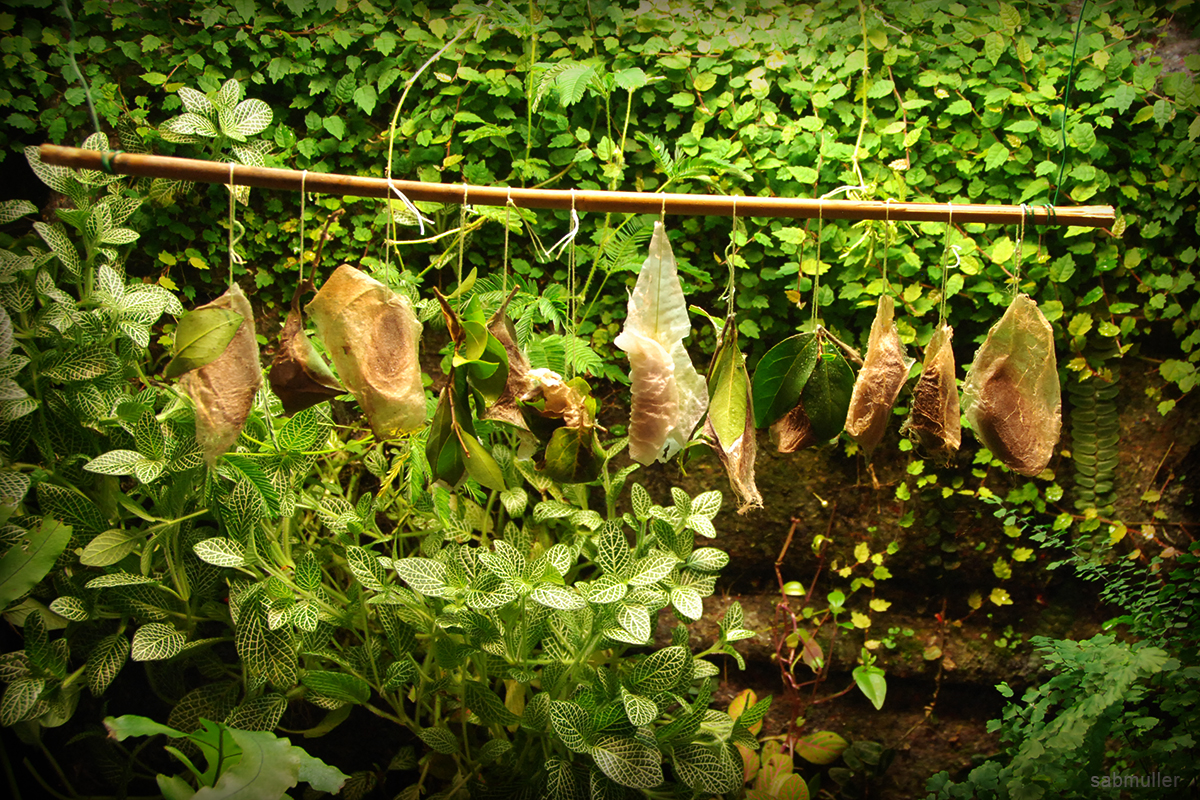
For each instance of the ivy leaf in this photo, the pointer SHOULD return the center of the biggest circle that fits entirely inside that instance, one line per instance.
(31, 558)
(365, 98)
(781, 376)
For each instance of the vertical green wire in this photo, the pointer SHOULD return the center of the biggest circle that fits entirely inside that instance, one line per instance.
(1067, 104)
(87, 91)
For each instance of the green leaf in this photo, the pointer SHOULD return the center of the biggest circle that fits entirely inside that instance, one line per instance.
(707, 559)
(573, 455)
(872, 683)
(640, 710)
(687, 601)
(484, 702)
(572, 725)
(105, 661)
(996, 155)
(424, 575)
(157, 641)
(121, 728)
(661, 671)
(20, 701)
(708, 768)
(201, 336)
(560, 597)
(628, 762)
(269, 766)
(781, 376)
(729, 392)
(11, 210)
(440, 739)
(56, 237)
(337, 685)
(336, 127)
(479, 463)
(366, 568)
(30, 558)
(993, 47)
(109, 547)
(80, 364)
(826, 396)
(823, 747)
(652, 568)
(366, 98)
(221, 552)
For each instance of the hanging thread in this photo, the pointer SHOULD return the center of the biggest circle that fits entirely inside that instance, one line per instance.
(572, 300)
(730, 259)
(887, 227)
(817, 268)
(504, 262)
(462, 238)
(300, 254)
(234, 258)
(1017, 255)
(87, 90)
(1066, 107)
(945, 268)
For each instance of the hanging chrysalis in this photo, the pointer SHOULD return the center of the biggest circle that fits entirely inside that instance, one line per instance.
(730, 423)
(1011, 396)
(223, 388)
(372, 335)
(884, 371)
(934, 420)
(518, 380)
(669, 395)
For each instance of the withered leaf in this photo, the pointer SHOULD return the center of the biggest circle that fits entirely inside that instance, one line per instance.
(299, 376)
(934, 421)
(884, 372)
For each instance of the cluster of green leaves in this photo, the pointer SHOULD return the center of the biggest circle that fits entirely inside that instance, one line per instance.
(1126, 704)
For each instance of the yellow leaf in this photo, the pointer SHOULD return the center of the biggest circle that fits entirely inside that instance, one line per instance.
(860, 620)
(1000, 597)
(1022, 554)
(879, 604)
(861, 553)
(844, 572)
(1002, 570)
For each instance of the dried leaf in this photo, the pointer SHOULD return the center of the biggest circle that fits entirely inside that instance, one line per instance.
(223, 390)
(372, 335)
(1011, 396)
(884, 372)
(934, 422)
(299, 376)
(519, 381)
(669, 395)
(793, 431)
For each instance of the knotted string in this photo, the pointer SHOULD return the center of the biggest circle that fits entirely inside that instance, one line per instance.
(300, 254)
(946, 247)
(730, 258)
(234, 258)
(508, 204)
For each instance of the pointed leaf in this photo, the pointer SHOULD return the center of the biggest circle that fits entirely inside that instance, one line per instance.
(826, 396)
(781, 376)
(201, 336)
(31, 558)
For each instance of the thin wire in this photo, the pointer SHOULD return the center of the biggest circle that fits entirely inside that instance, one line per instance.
(572, 300)
(300, 254)
(508, 204)
(887, 227)
(945, 249)
(817, 268)
(731, 258)
(87, 91)
(1017, 255)
(1066, 107)
(234, 258)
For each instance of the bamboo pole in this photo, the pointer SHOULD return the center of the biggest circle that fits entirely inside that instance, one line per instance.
(187, 169)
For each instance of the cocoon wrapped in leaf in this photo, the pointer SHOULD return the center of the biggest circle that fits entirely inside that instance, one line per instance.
(223, 389)
(730, 423)
(300, 378)
(372, 336)
(669, 395)
(884, 371)
(1011, 396)
(934, 420)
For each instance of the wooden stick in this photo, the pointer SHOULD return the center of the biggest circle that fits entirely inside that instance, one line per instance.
(189, 169)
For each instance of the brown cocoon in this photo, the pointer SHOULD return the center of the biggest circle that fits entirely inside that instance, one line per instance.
(223, 390)
(934, 421)
(299, 378)
(372, 335)
(884, 372)
(794, 431)
(1011, 396)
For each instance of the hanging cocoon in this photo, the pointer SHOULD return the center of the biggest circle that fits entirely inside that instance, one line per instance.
(1011, 396)
(223, 389)
(730, 423)
(934, 420)
(372, 335)
(879, 382)
(299, 377)
(669, 395)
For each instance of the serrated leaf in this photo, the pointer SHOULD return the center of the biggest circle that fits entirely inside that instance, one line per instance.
(572, 725)
(109, 547)
(560, 597)
(221, 552)
(156, 641)
(31, 558)
(628, 762)
(484, 702)
(823, 747)
(105, 661)
(337, 685)
(652, 568)
(439, 739)
(661, 671)
(424, 575)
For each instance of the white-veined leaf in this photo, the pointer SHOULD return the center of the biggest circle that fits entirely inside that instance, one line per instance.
(109, 547)
(221, 552)
(628, 761)
(156, 641)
